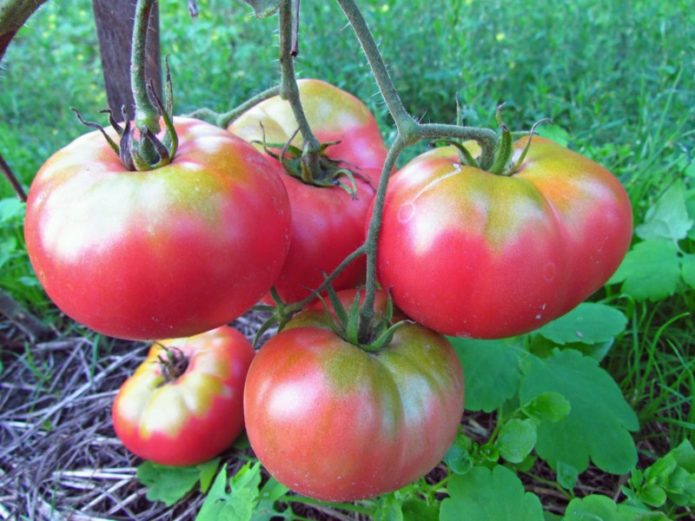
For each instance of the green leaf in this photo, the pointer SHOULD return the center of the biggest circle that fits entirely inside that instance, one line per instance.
(167, 484)
(567, 475)
(239, 502)
(588, 323)
(649, 271)
(458, 457)
(11, 210)
(415, 510)
(264, 8)
(652, 495)
(388, 509)
(271, 492)
(602, 508)
(549, 406)
(517, 439)
(490, 369)
(485, 494)
(690, 204)
(668, 218)
(688, 269)
(554, 132)
(207, 473)
(597, 425)
(685, 456)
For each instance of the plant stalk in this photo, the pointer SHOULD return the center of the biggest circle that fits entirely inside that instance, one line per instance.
(146, 116)
(409, 132)
(367, 311)
(12, 178)
(400, 115)
(290, 91)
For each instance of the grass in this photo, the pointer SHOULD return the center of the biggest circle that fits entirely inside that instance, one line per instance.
(618, 76)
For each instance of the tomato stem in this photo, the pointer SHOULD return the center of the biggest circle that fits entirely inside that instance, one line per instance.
(146, 117)
(409, 132)
(12, 178)
(172, 364)
(290, 91)
(224, 119)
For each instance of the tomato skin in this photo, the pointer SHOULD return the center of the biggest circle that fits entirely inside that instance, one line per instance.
(327, 223)
(336, 423)
(469, 253)
(194, 417)
(168, 252)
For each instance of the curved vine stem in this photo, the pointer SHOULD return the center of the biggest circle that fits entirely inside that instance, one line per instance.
(146, 116)
(409, 132)
(367, 311)
(289, 89)
(299, 305)
(224, 119)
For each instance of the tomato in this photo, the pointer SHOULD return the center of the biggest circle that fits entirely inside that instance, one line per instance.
(469, 253)
(334, 422)
(327, 223)
(196, 415)
(161, 253)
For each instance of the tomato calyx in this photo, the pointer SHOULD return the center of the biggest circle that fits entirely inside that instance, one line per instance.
(295, 161)
(348, 323)
(139, 148)
(173, 363)
(504, 163)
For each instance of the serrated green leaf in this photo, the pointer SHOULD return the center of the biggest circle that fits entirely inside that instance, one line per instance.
(491, 371)
(237, 504)
(602, 508)
(264, 8)
(597, 406)
(588, 323)
(549, 407)
(266, 509)
(458, 457)
(517, 439)
(485, 494)
(668, 218)
(688, 269)
(206, 473)
(649, 271)
(167, 484)
(554, 132)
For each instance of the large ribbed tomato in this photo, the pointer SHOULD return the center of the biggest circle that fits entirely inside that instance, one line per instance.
(469, 253)
(327, 223)
(167, 252)
(332, 421)
(190, 417)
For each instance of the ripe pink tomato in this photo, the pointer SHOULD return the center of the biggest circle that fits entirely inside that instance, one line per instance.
(469, 253)
(167, 252)
(327, 223)
(186, 418)
(334, 422)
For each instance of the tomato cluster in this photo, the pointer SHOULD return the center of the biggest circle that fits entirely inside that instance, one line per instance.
(181, 249)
